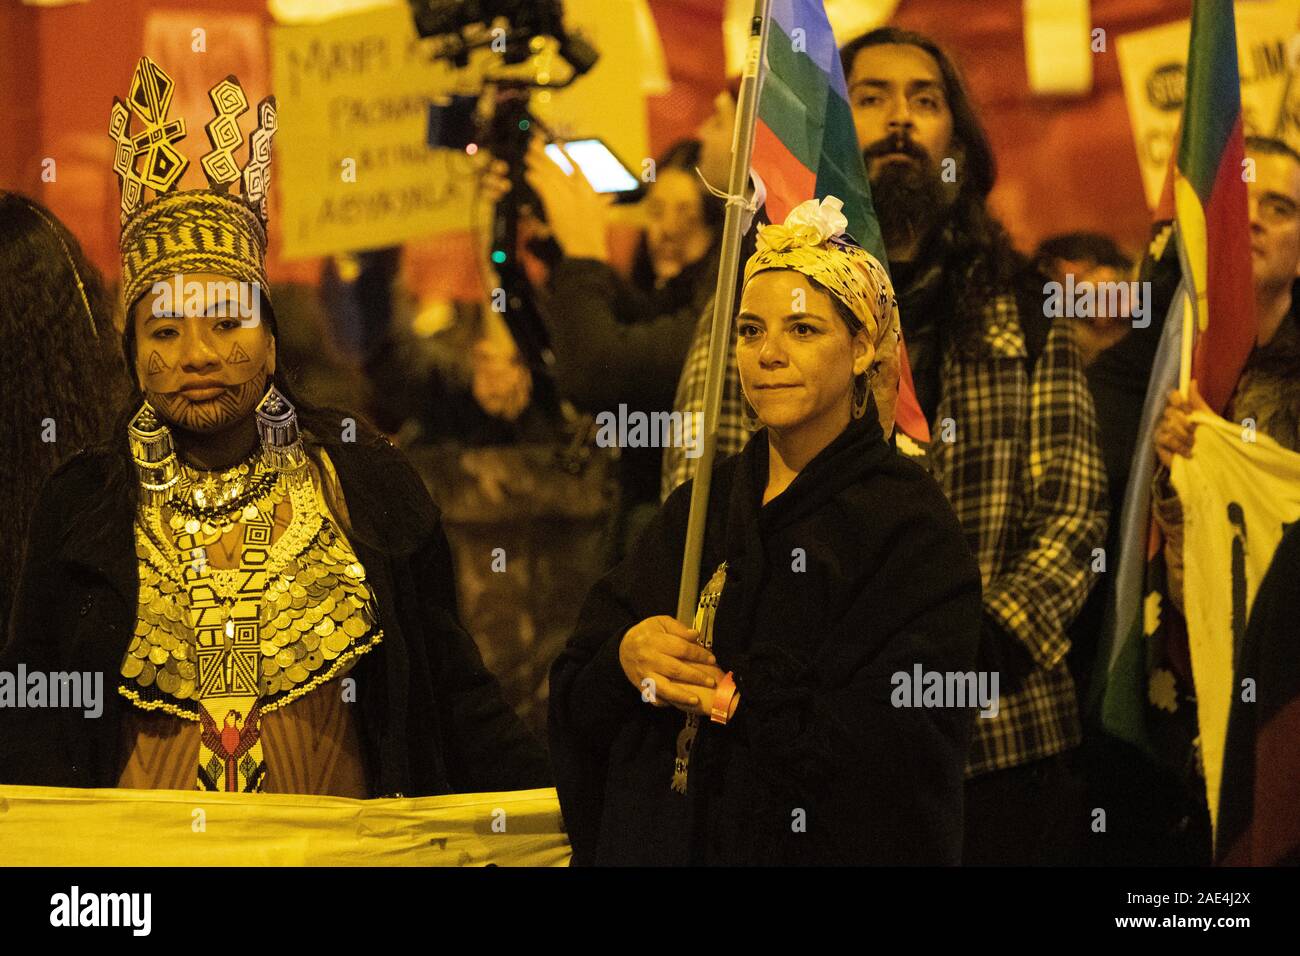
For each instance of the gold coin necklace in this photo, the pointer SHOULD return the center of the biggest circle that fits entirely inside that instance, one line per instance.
(225, 646)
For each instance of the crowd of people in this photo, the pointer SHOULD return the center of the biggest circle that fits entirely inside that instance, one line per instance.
(228, 557)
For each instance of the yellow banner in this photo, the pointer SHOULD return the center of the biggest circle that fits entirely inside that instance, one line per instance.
(353, 169)
(52, 826)
(1153, 67)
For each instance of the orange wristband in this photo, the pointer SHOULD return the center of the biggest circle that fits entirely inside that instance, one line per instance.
(722, 696)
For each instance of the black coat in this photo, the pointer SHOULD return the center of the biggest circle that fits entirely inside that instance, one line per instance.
(1260, 787)
(616, 343)
(889, 582)
(432, 718)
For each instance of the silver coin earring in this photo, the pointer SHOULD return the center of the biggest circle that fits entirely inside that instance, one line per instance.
(154, 455)
(277, 428)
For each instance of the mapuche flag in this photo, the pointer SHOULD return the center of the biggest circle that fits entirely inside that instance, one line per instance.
(1210, 199)
(1146, 695)
(805, 146)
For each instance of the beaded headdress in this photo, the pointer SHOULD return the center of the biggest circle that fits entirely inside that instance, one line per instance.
(197, 230)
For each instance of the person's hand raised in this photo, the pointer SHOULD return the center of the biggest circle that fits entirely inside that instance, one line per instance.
(576, 213)
(500, 381)
(494, 180)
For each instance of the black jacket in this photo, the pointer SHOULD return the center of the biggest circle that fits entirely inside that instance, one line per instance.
(1260, 787)
(432, 717)
(889, 583)
(617, 343)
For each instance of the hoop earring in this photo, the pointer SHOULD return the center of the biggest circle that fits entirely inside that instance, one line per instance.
(154, 455)
(277, 428)
(861, 393)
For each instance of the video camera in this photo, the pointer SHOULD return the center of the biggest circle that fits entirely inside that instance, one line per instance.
(512, 29)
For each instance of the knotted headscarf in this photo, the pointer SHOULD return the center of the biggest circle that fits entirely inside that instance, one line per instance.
(812, 243)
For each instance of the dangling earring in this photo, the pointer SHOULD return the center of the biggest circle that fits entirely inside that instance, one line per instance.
(154, 455)
(748, 417)
(861, 391)
(277, 427)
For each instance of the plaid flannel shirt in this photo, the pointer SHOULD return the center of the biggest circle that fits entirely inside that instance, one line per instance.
(1019, 459)
(677, 469)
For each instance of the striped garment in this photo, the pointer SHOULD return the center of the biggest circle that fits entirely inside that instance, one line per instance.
(1021, 465)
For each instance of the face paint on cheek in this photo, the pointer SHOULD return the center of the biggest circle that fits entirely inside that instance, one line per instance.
(157, 364)
(166, 370)
(246, 359)
(161, 373)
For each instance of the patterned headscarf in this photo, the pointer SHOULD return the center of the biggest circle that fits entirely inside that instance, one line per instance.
(812, 243)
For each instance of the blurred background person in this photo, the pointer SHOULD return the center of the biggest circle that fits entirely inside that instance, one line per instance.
(1093, 258)
(62, 371)
(621, 340)
(1163, 814)
(1268, 391)
(435, 372)
(1267, 395)
(1086, 260)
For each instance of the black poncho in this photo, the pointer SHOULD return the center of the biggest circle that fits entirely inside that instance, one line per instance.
(856, 572)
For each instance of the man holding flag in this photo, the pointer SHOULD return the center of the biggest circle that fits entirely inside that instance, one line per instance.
(1198, 537)
(1264, 408)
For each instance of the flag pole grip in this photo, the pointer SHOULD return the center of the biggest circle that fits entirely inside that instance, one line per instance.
(1188, 314)
(723, 297)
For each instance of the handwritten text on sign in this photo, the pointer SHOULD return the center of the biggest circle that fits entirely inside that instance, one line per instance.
(1153, 66)
(354, 169)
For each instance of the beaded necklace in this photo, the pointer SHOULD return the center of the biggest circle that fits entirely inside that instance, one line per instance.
(224, 646)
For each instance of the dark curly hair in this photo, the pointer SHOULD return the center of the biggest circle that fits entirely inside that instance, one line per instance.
(59, 362)
(1081, 247)
(979, 260)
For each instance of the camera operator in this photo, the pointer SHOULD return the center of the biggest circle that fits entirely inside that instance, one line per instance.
(622, 340)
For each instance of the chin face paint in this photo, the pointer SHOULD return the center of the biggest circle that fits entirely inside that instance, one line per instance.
(210, 409)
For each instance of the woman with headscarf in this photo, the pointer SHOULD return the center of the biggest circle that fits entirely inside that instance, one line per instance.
(785, 726)
(264, 586)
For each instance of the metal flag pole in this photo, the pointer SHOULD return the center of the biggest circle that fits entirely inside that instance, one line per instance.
(1193, 304)
(742, 146)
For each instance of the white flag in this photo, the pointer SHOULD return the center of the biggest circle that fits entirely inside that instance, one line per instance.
(1239, 491)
